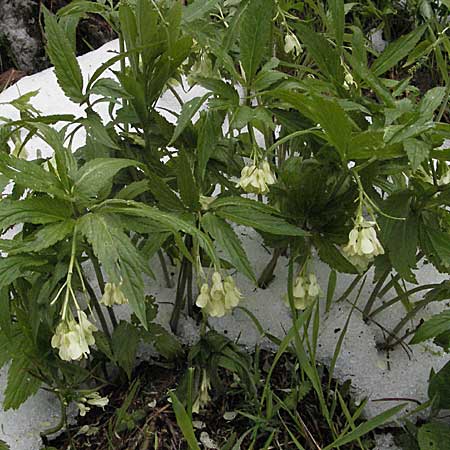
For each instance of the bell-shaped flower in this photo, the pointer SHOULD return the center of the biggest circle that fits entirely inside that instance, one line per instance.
(73, 339)
(256, 180)
(203, 397)
(91, 399)
(221, 298)
(292, 44)
(113, 295)
(305, 291)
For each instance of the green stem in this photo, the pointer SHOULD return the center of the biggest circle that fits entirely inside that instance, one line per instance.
(168, 278)
(349, 290)
(101, 284)
(179, 299)
(409, 316)
(62, 421)
(267, 274)
(374, 294)
(402, 296)
(98, 309)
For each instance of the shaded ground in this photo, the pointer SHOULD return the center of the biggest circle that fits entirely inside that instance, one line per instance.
(149, 422)
(22, 49)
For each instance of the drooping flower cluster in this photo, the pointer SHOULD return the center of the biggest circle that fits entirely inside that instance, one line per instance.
(73, 338)
(256, 179)
(221, 298)
(113, 295)
(292, 44)
(363, 244)
(306, 290)
(91, 399)
(203, 397)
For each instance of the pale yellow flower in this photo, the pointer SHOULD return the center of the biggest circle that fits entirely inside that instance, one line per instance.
(113, 295)
(256, 180)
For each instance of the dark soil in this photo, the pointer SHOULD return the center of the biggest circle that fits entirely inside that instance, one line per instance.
(149, 422)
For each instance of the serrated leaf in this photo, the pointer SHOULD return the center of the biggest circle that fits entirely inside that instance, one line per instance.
(188, 111)
(198, 9)
(208, 137)
(165, 342)
(21, 385)
(417, 151)
(13, 267)
(4, 445)
(323, 53)
(124, 343)
(166, 198)
(329, 254)
(62, 56)
(439, 388)
(45, 237)
(97, 173)
(255, 29)
(30, 175)
(35, 210)
(227, 240)
(186, 182)
(397, 50)
(119, 258)
(256, 215)
(434, 436)
(436, 325)
(400, 236)
(97, 130)
(431, 101)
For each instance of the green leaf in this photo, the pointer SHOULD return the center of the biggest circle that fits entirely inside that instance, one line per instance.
(198, 9)
(124, 343)
(255, 29)
(97, 173)
(35, 210)
(338, 16)
(45, 237)
(119, 258)
(166, 198)
(417, 151)
(30, 175)
(188, 111)
(21, 384)
(13, 267)
(98, 131)
(62, 56)
(4, 445)
(168, 220)
(365, 427)
(260, 221)
(165, 342)
(208, 137)
(184, 422)
(434, 436)
(431, 101)
(436, 325)
(400, 236)
(323, 53)
(186, 182)
(329, 254)
(439, 388)
(397, 51)
(227, 240)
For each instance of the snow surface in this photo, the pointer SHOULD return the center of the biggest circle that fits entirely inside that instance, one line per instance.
(374, 374)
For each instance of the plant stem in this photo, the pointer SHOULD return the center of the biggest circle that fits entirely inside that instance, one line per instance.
(62, 421)
(374, 294)
(401, 296)
(168, 278)
(179, 299)
(98, 308)
(267, 274)
(349, 290)
(101, 284)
